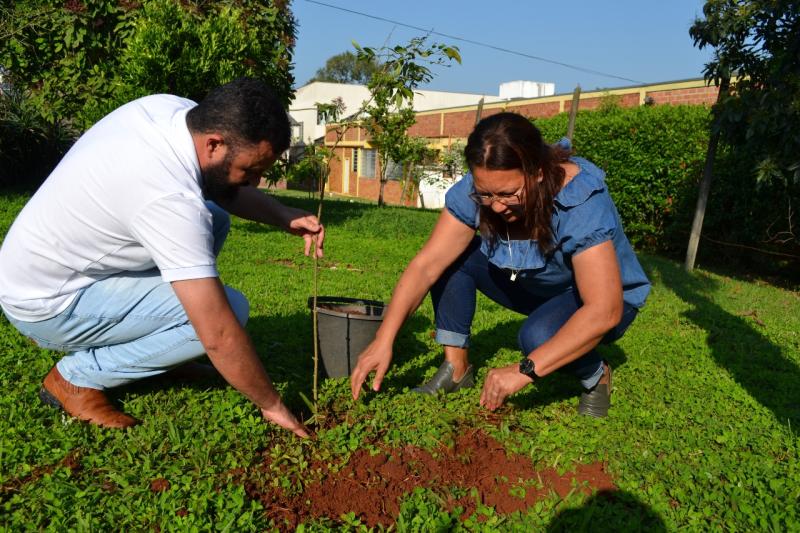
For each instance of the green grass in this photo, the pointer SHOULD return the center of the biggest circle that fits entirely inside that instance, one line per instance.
(702, 434)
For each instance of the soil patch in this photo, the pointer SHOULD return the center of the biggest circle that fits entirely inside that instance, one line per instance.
(159, 485)
(71, 461)
(372, 486)
(346, 309)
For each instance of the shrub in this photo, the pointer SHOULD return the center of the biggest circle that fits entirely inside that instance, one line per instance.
(654, 156)
(29, 146)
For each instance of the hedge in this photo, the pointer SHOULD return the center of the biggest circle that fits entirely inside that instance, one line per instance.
(654, 156)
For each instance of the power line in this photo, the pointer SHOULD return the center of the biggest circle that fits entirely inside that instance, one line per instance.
(477, 43)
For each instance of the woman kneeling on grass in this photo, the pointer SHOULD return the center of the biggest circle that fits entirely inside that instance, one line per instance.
(551, 246)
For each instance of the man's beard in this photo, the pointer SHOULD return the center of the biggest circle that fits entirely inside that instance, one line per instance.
(215, 181)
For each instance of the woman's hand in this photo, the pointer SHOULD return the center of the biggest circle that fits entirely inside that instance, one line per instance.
(501, 383)
(377, 356)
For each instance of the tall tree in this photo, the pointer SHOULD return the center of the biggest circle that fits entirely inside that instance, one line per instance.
(346, 68)
(758, 43)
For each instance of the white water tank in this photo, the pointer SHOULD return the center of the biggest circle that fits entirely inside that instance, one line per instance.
(526, 89)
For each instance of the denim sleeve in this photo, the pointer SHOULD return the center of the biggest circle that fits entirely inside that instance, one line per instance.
(586, 225)
(459, 204)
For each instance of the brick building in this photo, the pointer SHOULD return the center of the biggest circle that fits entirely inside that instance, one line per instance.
(355, 171)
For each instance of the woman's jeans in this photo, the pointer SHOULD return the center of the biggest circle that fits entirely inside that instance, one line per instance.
(454, 296)
(128, 326)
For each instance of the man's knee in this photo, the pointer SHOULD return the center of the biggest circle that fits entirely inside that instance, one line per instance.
(239, 304)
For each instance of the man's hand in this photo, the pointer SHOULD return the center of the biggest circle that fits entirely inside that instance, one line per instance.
(230, 349)
(501, 383)
(280, 415)
(377, 356)
(307, 226)
(252, 204)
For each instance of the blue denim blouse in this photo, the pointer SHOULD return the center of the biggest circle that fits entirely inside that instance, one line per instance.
(584, 216)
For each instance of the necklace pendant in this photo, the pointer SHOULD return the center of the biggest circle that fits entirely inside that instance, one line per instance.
(513, 276)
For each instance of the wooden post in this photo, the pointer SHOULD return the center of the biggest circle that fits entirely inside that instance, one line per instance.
(705, 187)
(573, 111)
(479, 111)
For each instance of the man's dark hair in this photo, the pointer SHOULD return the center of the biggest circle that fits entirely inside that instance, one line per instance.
(246, 111)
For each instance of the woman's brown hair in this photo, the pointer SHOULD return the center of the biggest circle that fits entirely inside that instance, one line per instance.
(508, 141)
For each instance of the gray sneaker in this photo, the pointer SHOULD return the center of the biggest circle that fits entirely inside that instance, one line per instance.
(596, 401)
(443, 381)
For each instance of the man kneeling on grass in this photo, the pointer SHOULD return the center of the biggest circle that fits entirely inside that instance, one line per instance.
(113, 260)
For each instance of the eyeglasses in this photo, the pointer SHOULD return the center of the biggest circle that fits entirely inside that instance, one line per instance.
(489, 198)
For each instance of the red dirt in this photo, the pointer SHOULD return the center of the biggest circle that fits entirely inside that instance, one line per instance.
(341, 308)
(70, 461)
(159, 485)
(372, 486)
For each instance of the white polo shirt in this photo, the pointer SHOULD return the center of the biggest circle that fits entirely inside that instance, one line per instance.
(126, 197)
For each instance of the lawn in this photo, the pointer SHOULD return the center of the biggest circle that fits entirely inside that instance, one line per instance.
(702, 434)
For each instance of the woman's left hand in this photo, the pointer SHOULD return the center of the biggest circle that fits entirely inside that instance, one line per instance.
(500, 383)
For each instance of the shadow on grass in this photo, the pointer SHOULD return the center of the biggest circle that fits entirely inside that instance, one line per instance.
(756, 364)
(608, 511)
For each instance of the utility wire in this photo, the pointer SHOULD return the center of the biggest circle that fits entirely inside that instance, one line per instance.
(477, 43)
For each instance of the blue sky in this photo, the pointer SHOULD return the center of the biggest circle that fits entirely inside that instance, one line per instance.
(644, 40)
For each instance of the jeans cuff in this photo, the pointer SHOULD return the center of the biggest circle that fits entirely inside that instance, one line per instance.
(451, 338)
(70, 377)
(590, 382)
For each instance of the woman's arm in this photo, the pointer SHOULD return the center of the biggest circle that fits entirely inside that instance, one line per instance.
(600, 287)
(448, 240)
(599, 284)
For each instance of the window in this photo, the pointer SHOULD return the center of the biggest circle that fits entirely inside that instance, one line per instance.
(394, 171)
(368, 163)
(297, 133)
(355, 161)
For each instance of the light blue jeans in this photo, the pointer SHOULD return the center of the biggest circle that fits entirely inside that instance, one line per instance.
(127, 327)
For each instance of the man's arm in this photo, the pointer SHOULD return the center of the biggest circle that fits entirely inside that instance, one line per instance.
(252, 204)
(230, 348)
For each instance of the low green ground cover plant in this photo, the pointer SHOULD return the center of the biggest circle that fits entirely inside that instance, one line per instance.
(702, 434)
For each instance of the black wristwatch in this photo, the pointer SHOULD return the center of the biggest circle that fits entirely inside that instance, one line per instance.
(527, 367)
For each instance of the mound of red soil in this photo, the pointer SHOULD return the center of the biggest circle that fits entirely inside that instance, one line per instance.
(371, 486)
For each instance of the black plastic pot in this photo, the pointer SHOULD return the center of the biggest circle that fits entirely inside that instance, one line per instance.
(345, 326)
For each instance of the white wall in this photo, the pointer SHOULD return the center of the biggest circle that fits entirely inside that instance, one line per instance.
(526, 89)
(303, 108)
(432, 187)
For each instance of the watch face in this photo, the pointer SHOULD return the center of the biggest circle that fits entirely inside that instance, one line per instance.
(526, 366)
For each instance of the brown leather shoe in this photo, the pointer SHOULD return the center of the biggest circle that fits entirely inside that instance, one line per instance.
(84, 403)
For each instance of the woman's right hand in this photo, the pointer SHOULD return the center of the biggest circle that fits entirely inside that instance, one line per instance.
(449, 239)
(376, 356)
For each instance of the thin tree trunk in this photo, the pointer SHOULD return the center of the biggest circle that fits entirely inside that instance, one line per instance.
(403, 193)
(705, 188)
(381, 203)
